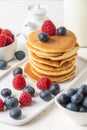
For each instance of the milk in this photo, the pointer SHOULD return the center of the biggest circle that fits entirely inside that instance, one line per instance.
(75, 19)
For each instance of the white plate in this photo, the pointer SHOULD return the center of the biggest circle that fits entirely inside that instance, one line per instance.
(11, 64)
(38, 105)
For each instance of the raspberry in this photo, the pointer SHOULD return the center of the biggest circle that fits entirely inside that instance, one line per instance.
(44, 83)
(0, 30)
(19, 82)
(1, 105)
(9, 40)
(7, 32)
(48, 27)
(2, 40)
(25, 99)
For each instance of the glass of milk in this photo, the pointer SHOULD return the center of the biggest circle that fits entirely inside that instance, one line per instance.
(75, 19)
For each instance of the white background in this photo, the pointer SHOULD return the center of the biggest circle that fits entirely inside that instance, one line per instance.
(14, 12)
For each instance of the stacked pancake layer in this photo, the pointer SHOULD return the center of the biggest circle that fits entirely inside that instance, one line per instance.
(54, 59)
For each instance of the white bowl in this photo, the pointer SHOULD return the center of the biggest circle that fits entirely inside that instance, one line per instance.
(77, 117)
(7, 52)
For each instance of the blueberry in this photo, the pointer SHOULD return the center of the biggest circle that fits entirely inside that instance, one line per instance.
(20, 55)
(77, 98)
(61, 31)
(3, 64)
(85, 102)
(6, 92)
(11, 102)
(83, 109)
(44, 37)
(72, 107)
(30, 90)
(64, 99)
(54, 88)
(71, 92)
(17, 71)
(83, 90)
(45, 95)
(15, 113)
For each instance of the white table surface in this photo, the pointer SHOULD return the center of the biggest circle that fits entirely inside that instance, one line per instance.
(52, 118)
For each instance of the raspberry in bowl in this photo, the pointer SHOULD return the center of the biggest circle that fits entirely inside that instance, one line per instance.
(8, 44)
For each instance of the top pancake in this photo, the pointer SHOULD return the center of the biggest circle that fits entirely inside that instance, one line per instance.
(56, 43)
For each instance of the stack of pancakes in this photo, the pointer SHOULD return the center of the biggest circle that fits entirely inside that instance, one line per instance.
(54, 59)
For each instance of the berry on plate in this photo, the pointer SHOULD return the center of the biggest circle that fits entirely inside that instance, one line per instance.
(3, 64)
(45, 95)
(25, 99)
(1, 105)
(44, 83)
(19, 82)
(61, 31)
(30, 90)
(11, 102)
(44, 37)
(54, 88)
(8, 33)
(20, 55)
(48, 27)
(15, 113)
(5, 92)
(18, 70)
(3, 40)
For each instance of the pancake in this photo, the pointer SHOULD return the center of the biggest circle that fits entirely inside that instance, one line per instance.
(54, 59)
(51, 73)
(64, 56)
(38, 52)
(56, 44)
(51, 68)
(59, 63)
(28, 72)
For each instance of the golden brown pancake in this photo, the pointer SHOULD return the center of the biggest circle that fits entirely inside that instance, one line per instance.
(39, 52)
(54, 59)
(28, 72)
(51, 68)
(58, 63)
(56, 43)
(64, 55)
(51, 73)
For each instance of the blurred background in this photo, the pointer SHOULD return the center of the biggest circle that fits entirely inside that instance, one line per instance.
(14, 12)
